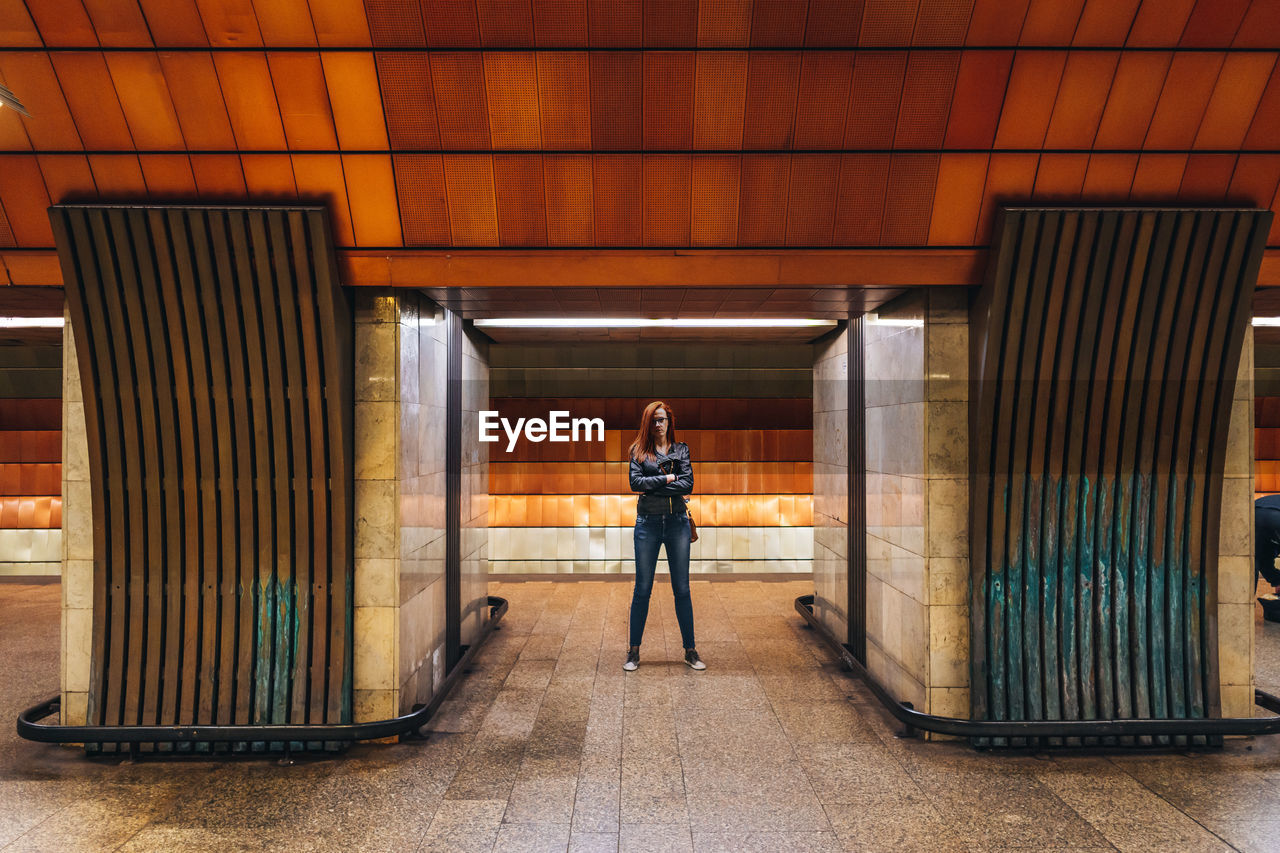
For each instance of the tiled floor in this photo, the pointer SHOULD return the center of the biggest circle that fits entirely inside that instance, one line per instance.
(549, 745)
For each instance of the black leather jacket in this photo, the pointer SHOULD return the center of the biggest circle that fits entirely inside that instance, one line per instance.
(650, 478)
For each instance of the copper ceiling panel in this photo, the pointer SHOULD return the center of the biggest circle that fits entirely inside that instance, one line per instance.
(762, 194)
(668, 100)
(267, 178)
(874, 96)
(1105, 23)
(942, 23)
(424, 211)
(724, 23)
(908, 205)
(511, 89)
(168, 176)
(617, 87)
(473, 218)
(408, 101)
(1011, 178)
(505, 23)
(1183, 100)
(1060, 178)
(833, 23)
(823, 101)
(957, 199)
(32, 75)
(978, 97)
(1206, 178)
(1160, 24)
(230, 23)
(451, 24)
(666, 199)
(67, 178)
(16, 27)
(1255, 180)
(1050, 23)
(564, 100)
(13, 132)
(615, 23)
(458, 81)
(25, 200)
(1214, 23)
(251, 101)
(144, 98)
(1028, 102)
(773, 83)
(174, 23)
(1135, 90)
(286, 23)
(1260, 25)
(617, 193)
(1082, 96)
(219, 177)
(720, 99)
(355, 101)
(92, 99)
(1234, 101)
(670, 23)
(811, 202)
(118, 24)
(371, 193)
(714, 190)
(398, 23)
(1264, 130)
(193, 86)
(320, 180)
(996, 22)
(1109, 177)
(520, 199)
(1157, 177)
(778, 23)
(560, 23)
(304, 101)
(927, 91)
(567, 185)
(63, 23)
(887, 23)
(340, 23)
(864, 179)
(6, 233)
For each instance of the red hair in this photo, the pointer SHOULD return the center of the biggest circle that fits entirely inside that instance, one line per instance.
(642, 448)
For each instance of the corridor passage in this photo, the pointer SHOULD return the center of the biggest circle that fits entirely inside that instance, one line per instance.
(549, 745)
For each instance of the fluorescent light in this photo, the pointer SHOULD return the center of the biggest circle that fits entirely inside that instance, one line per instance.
(8, 99)
(641, 322)
(31, 322)
(1266, 321)
(877, 320)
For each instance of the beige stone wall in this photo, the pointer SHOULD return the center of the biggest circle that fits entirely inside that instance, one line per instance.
(916, 352)
(1235, 587)
(831, 483)
(77, 542)
(474, 548)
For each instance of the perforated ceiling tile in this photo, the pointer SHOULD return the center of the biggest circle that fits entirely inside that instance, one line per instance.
(873, 99)
(461, 107)
(778, 23)
(821, 107)
(860, 198)
(615, 23)
(424, 212)
(408, 101)
(942, 23)
(560, 23)
(909, 201)
(505, 23)
(927, 91)
(668, 100)
(617, 197)
(564, 100)
(340, 23)
(724, 23)
(511, 87)
(714, 188)
(887, 23)
(567, 185)
(833, 23)
(6, 233)
(469, 187)
(773, 83)
(762, 193)
(670, 23)
(811, 203)
(616, 100)
(25, 199)
(520, 199)
(666, 199)
(395, 23)
(719, 99)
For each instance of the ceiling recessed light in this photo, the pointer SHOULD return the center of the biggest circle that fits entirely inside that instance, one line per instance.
(31, 322)
(1266, 321)
(8, 99)
(644, 322)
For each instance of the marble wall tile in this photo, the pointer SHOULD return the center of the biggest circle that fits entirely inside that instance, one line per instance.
(376, 305)
(376, 507)
(1239, 458)
(77, 520)
(375, 648)
(1236, 537)
(949, 701)
(376, 582)
(948, 518)
(1236, 580)
(948, 305)
(901, 439)
(949, 581)
(75, 708)
(949, 646)
(370, 705)
(1235, 662)
(77, 649)
(375, 440)
(77, 584)
(377, 366)
(75, 442)
(947, 362)
(948, 440)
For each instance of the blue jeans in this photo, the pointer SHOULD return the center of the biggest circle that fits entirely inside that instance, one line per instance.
(652, 532)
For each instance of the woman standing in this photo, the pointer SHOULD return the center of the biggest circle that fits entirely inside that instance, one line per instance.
(662, 473)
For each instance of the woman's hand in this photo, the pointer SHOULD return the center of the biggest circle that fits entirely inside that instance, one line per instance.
(671, 478)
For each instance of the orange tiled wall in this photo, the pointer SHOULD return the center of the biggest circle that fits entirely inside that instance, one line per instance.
(30, 464)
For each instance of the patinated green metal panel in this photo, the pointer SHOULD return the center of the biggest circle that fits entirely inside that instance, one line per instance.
(1105, 345)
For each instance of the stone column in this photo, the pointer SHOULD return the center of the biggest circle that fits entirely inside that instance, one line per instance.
(1235, 587)
(77, 542)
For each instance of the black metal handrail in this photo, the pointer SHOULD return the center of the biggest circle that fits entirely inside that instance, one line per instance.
(961, 727)
(30, 728)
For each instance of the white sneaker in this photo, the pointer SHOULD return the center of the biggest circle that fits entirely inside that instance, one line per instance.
(692, 660)
(633, 660)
